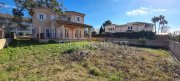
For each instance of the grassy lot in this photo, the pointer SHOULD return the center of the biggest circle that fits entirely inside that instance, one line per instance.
(33, 61)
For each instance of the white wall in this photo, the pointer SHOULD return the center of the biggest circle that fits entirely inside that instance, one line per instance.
(135, 28)
(110, 29)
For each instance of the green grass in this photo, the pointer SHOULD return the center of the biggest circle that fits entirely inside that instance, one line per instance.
(163, 53)
(32, 61)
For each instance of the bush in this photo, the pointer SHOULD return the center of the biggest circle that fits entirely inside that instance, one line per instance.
(71, 50)
(130, 35)
(52, 41)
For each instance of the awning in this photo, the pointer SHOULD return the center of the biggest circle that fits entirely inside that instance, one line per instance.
(62, 22)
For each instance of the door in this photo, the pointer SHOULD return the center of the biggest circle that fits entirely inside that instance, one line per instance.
(48, 33)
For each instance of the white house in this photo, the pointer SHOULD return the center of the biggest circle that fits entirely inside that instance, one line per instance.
(130, 27)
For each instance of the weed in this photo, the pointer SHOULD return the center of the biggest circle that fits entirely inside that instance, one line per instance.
(95, 71)
(115, 78)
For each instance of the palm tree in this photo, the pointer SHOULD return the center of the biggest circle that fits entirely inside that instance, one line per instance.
(163, 22)
(161, 18)
(155, 20)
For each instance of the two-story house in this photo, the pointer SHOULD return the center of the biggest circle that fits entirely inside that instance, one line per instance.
(68, 26)
(130, 27)
(7, 23)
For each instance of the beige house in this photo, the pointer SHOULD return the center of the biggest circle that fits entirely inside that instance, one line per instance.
(48, 25)
(6, 21)
(130, 27)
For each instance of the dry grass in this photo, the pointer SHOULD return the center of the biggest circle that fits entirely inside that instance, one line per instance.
(54, 62)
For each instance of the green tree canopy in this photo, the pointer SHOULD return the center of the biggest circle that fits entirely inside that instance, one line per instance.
(101, 30)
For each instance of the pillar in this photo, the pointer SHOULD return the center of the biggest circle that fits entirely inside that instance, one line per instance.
(78, 36)
(62, 32)
(89, 33)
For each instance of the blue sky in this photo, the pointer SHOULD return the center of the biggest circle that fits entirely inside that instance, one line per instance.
(121, 11)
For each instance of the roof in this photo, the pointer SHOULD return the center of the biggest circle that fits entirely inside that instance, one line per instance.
(11, 16)
(6, 15)
(121, 25)
(75, 12)
(139, 23)
(45, 8)
(62, 22)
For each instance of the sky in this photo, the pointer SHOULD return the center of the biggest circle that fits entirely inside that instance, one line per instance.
(120, 11)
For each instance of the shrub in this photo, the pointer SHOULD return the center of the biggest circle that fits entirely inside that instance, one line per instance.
(130, 35)
(71, 50)
(51, 41)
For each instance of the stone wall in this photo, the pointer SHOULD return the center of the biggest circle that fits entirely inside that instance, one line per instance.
(150, 43)
(174, 47)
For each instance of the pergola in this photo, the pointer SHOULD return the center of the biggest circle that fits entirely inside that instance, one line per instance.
(74, 25)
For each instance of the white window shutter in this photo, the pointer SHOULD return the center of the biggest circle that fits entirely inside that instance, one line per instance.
(38, 16)
(44, 16)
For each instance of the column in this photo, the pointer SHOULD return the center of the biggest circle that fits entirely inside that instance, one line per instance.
(39, 32)
(62, 32)
(3, 34)
(89, 32)
(78, 35)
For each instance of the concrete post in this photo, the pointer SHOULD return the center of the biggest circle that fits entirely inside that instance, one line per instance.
(39, 31)
(3, 34)
(78, 34)
(62, 31)
(89, 32)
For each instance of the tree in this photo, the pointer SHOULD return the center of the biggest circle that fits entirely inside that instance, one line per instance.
(101, 30)
(29, 5)
(162, 22)
(155, 20)
(106, 23)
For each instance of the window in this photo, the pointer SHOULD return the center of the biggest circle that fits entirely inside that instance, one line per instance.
(20, 34)
(77, 19)
(41, 16)
(48, 33)
(66, 33)
(33, 31)
(69, 18)
(130, 27)
(42, 0)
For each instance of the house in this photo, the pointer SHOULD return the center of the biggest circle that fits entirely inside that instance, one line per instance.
(110, 28)
(47, 25)
(7, 23)
(130, 27)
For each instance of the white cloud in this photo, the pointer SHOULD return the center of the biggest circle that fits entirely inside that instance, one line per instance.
(6, 6)
(144, 11)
